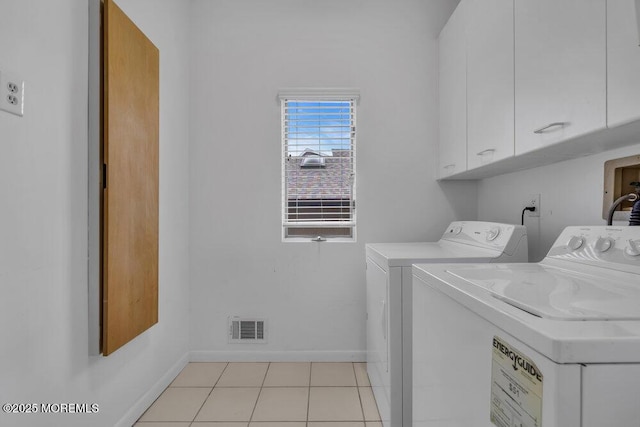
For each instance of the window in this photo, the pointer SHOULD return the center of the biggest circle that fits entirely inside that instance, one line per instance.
(318, 165)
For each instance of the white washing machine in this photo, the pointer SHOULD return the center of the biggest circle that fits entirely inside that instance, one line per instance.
(549, 344)
(389, 301)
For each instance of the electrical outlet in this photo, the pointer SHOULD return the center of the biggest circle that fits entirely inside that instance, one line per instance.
(534, 200)
(11, 94)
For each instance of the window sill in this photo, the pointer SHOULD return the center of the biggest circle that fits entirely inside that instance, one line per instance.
(312, 240)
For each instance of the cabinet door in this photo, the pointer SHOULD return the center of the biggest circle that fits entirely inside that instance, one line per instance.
(623, 62)
(453, 95)
(130, 206)
(490, 103)
(560, 70)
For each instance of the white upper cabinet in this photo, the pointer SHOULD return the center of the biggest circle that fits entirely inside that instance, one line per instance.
(490, 81)
(623, 62)
(453, 95)
(560, 70)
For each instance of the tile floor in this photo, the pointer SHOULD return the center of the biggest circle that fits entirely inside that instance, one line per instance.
(266, 395)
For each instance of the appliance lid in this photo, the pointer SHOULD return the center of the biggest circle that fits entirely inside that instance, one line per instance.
(406, 254)
(558, 294)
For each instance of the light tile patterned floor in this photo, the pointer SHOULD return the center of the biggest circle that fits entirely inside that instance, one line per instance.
(266, 395)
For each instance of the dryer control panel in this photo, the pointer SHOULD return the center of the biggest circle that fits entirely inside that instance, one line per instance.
(505, 238)
(604, 246)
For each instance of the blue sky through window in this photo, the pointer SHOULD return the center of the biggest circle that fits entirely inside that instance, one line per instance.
(319, 126)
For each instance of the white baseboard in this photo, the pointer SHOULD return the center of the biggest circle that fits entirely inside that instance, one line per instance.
(138, 408)
(276, 356)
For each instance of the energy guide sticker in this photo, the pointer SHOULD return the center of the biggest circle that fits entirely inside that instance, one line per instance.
(516, 388)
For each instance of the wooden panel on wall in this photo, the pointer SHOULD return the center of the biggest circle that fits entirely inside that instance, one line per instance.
(130, 207)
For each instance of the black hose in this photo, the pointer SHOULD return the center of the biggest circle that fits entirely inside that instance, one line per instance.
(528, 208)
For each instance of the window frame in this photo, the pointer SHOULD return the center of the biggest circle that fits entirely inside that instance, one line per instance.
(314, 232)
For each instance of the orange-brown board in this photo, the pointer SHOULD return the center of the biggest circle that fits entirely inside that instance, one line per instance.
(130, 199)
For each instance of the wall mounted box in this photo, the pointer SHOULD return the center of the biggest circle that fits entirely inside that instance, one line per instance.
(618, 174)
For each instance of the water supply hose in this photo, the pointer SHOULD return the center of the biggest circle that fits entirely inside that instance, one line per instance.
(632, 197)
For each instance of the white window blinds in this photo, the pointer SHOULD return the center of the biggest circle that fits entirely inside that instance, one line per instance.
(318, 167)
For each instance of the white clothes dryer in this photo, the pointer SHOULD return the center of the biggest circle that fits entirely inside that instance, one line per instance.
(389, 301)
(549, 344)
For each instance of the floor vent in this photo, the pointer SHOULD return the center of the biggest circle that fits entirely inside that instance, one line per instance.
(244, 330)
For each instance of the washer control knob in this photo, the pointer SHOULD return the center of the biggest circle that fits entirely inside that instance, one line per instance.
(576, 243)
(493, 233)
(633, 249)
(603, 244)
(456, 230)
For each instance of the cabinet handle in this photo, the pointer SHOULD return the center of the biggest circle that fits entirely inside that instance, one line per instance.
(449, 166)
(543, 128)
(487, 151)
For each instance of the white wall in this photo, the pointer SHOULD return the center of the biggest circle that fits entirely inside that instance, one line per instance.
(43, 219)
(570, 194)
(242, 52)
